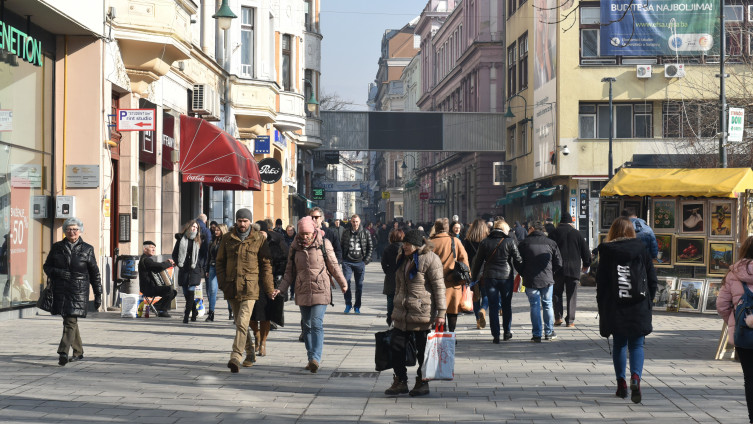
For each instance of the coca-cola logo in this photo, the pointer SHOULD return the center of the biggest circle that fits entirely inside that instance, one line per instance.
(223, 179)
(270, 170)
(195, 178)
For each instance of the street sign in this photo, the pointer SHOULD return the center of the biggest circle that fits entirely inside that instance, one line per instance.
(137, 120)
(423, 195)
(736, 126)
(437, 201)
(385, 195)
(332, 158)
(317, 193)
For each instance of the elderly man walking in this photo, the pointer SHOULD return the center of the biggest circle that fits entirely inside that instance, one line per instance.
(244, 267)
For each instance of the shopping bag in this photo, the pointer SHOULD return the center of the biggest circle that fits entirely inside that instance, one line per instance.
(516, 284)
(466, 301)
(277, 310)
(439, 357)
(129, 304)
(383, 351)
(199, 300)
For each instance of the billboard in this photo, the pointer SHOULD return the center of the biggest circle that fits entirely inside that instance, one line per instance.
(658, 27)
(545, 85)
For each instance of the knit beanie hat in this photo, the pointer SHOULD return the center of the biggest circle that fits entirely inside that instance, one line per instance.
(306, 225)
(244, 214)
(566, 218)
(414, 237)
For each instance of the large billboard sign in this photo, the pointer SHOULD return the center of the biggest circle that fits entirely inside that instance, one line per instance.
(545, 85)
(658, 27)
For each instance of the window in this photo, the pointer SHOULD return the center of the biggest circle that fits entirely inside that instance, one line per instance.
(502, 173)
(524, 138)
(308, 16)
(631, 120)
(247, 41)
(511, 141)
(733, 13)
(307, 87)
(510, 7)
(286, 56)
(689, 119)
(511, 75)
(523, 62)
(589, 43)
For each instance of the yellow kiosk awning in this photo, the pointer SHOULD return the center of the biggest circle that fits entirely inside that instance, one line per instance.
(705, 182)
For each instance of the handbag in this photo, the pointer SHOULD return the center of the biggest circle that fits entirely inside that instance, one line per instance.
(46, 298)
(466, 301)
(277, 308)
(439, 357)
(383, 352)
(461, 273)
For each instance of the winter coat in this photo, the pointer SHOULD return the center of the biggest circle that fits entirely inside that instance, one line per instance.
(389, 266)
(310, 273)
(573, 248)
(279, 251)
(213, 248)
(443, 248)
(541, 259)
(731, 292)
(363, 238)
(334, 239)
(502, 264)
(645, 234)
(206, 240)
(71, 273)
(147, 265)
(421, 299)
(624, 320)
(188, 276)
(244, 267)
(289, 240)
(520, 232)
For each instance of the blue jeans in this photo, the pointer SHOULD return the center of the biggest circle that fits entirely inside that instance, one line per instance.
(349, 269)
(482, 303)
(212, 288)
(312, 323)
(623, 344)
(539, 298)
(496, 289)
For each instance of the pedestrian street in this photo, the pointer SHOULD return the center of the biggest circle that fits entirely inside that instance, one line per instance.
(159, 370)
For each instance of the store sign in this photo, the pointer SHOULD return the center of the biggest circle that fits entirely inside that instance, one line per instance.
(261, 145)
(349, 185)
(280, 139)
(26, 175)
(424, 195)
(736, 124)
(317, 193)
(6, 120)
(332, 158)
(168, 140)
(82, 176)
(438, 201)
(385, 195)
(270, 170)
(18, 43)
(20, 202)
(137, 120)
(583, 205)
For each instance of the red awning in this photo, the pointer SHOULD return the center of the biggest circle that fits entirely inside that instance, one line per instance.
(211, 156)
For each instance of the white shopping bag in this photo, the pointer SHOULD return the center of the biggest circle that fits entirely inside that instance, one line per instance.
(129, 304)
(439, 357)
(199, 300)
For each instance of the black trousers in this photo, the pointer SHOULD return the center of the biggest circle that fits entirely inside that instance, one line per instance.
(570, 287)
(167, 293)
(746, 361)
(398, 344)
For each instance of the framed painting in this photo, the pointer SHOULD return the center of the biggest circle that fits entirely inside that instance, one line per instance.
(664, 257)
(721, 213)
(690, 251)
(609, 211)
(721, 255)
(710, 295)
(666, 284)
(634, 206)
(673, 305)
(691, 291)
(663, 215)
(693, 215)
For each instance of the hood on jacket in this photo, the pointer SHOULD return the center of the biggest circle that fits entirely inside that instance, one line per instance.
(743, 270)
(317, 242)
(638, 224)
(622, 249)
(426, 248)
(497, 233)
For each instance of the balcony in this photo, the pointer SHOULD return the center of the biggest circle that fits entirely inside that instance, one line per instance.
(151, 36)
(290, 116)
(312, 137)
(254, 103)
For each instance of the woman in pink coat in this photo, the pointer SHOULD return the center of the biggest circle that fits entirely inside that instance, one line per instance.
(741, 272)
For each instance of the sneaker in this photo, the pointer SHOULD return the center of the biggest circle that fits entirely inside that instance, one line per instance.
(635, 388)
(357, 310)
(558, 322)
(621, 388)
(347, 309)
(507, 336)
(551, 336)
(482, 318)
(536, 339)
(233, 365)
(398, 387)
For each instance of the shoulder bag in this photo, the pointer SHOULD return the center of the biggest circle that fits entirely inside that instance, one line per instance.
(46, 297)
(461, 273)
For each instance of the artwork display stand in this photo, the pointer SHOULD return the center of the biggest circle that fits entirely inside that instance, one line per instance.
(723, 346)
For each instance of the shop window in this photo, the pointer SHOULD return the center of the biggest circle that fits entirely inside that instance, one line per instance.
(523, 62)
(286, 62)
(247, 41)
(511, 74)
(630, 120)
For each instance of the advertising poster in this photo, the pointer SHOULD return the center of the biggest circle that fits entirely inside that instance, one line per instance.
(20, 202)
(545, 86)
(658, 27)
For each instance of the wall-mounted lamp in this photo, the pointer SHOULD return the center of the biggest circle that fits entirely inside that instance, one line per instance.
(112, 13)
(224, 16)
(509, 113)
(311, 103)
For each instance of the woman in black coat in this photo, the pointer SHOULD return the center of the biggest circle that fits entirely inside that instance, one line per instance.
(190, 261)
(72, 267)
(625, 286)
(389, 266)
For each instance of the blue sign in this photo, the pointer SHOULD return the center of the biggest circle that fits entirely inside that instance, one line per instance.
(280, 139)
(659, 27)
(261, 145)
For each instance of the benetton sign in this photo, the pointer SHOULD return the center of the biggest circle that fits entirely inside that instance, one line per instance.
(20, 44)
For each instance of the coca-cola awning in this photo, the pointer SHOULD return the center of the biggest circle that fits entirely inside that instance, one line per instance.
(213, 157)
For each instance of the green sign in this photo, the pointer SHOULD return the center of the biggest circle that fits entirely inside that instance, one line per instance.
(317, 194)
(18, 43)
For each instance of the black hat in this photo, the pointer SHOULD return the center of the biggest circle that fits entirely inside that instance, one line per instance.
(149, 243)
(278, 221)
(414, 237)
(566, 217)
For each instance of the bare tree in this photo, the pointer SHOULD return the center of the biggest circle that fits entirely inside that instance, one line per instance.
(333, 102)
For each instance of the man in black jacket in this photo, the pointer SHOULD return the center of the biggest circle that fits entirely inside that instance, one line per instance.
(149, 285)
(576, 259)
(541, 259)
(356, 251)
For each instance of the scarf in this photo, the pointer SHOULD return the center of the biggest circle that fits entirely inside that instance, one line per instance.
(241, 235)
(413, 271)
(183, 250)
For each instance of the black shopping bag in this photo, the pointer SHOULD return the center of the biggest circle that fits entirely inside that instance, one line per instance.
(383, 352)
(277, 310)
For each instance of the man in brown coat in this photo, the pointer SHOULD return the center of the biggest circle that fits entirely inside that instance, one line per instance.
(244, 264)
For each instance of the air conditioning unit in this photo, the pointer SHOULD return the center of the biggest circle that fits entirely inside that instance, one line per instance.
(206, 102)
(674, 70)
(643, 71)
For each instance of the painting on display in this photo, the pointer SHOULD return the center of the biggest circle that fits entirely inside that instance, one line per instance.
(690, 251)
(722, 219)
(709, 298)
(721, 255)
(693, 217)
(661, 298)
(634, 206)
(673, 305)
(541, 212)
(610, 210)
(691, 290)
(663, 214)
(664, 258)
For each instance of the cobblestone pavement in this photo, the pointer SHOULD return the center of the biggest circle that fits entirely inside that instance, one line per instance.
(163, 371)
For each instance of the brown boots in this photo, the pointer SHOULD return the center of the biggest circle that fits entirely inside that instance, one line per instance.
(398, 387)
(420, 389)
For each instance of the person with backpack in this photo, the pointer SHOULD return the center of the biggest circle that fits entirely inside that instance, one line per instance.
(625, 286)
(737, 289)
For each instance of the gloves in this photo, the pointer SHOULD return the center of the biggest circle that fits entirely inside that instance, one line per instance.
(65, 275)
(97, 302)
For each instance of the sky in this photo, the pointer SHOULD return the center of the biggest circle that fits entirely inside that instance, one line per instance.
(352, 31)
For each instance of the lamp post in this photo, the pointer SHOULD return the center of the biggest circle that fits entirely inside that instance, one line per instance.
(722, 91)
(610, 80)
(311, 103)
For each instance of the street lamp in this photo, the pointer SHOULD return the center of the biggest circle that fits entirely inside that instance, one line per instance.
(610, 80)
(224, 16)
(509, 113)
(311, 103)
